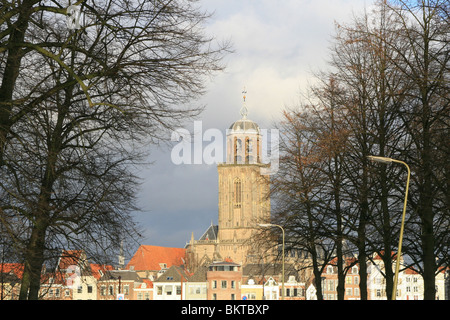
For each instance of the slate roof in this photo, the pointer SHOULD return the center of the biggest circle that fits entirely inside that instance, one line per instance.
(268, 270)
(199, 275)
(210, 233)
(125, 275)
(173, 274)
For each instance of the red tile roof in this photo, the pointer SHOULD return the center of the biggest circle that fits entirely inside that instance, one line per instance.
(96, 268)
(69, 258)
(15, 268)
(148, 283)
(410, 271)
(150, 257)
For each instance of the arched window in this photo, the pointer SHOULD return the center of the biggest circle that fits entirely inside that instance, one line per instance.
(237, 150)
(237, 193)
(248, 150)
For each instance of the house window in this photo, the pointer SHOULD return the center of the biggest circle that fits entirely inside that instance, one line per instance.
(233, 284)
(89, 289)
(159, 290)
(214, 284)
(233, 296)
(214, 296)
(80, 289)
(330, 285)
(178, 290)
(224, 284)
(168, 290)
(111, 290)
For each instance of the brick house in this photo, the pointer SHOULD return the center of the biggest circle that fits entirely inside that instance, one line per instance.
(10, 278)
(224, 281)
(170, 284)
(117, 282)
(144, 290)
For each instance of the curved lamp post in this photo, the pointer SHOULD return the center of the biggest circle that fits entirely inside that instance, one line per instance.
(266, 225)
(399, 253)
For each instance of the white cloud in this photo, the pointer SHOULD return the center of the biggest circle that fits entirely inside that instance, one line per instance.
(277, 43)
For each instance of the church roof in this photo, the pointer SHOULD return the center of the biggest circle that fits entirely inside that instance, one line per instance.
(152, 257)
(245, 125)
(210, 233)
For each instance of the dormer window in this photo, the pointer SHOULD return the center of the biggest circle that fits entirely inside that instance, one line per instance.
(163, 265)
(330, 270)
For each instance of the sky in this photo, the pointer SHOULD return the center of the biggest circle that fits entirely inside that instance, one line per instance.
(277, 46)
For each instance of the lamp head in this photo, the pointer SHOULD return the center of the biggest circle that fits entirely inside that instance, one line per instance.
(380, 159)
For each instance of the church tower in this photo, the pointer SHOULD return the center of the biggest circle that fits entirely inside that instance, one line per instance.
(243, 200)
(243, 190)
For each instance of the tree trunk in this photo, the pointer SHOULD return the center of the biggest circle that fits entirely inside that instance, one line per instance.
(11, 71)
(34, 259)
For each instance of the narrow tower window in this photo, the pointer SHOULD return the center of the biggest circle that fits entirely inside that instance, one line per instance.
(237, 193)
(237, 150)
(248, 151)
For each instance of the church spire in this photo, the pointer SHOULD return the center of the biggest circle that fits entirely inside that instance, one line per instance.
(244, 111)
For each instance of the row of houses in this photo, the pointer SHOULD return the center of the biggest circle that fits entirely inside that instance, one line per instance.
(159, 273)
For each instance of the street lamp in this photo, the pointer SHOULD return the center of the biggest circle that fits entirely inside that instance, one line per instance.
(387, 161)
(266, 225)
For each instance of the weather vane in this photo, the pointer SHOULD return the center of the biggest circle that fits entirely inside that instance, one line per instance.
(244, 110)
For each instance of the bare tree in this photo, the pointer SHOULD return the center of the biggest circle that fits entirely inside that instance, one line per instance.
(374, 93)
(425, 29)
(78, 106)
(155, 51)
(297, 191)
(388, 97)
